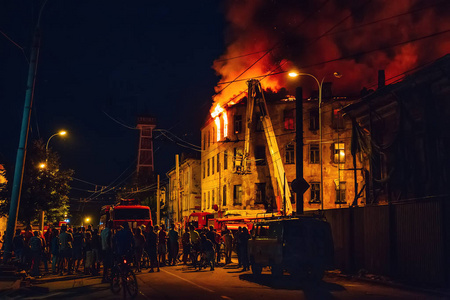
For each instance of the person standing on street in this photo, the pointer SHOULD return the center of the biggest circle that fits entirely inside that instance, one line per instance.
(162, 245)
(186, 241)
(123, 242)
(36, 247)
(195, 244)
(228, 241)
(244, 236)
(151, 244)
(65, 250)
(139, 241)
(173, 245)
(106, 238)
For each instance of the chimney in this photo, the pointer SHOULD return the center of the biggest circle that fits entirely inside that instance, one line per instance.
(326, 91)
(381, 79)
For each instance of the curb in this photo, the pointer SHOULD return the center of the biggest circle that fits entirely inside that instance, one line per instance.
(394, 284)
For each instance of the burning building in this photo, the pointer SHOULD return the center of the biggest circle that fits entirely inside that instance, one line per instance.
(232, 181)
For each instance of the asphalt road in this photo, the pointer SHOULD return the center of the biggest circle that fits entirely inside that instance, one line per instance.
(229, 282)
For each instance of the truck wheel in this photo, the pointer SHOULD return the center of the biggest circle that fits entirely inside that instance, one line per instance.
(256, 269)
(316, 273)
(277, 270)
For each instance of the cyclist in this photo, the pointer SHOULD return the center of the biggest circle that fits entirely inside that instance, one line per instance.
(123, 242)
(208, 250)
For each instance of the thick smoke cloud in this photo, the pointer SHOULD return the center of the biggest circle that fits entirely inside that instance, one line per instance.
(354, 37)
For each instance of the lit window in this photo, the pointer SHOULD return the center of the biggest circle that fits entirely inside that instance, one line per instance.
(217, 120)
(225, 124)
(289, 119)
(339, 153)
(337, 118)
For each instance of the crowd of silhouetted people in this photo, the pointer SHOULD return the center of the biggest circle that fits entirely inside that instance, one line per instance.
(83, 250)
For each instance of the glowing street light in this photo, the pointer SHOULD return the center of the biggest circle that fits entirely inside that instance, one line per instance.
(320, 85)
(45, 165)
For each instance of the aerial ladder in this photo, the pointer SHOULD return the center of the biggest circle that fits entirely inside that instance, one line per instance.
(256, 97)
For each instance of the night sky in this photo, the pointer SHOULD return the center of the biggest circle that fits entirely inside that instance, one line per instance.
(103, 63)
(109, 58)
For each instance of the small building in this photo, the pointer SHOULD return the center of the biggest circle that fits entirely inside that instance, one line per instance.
(184, 196)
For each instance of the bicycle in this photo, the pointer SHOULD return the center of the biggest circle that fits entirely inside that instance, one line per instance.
(221, 252)
(123, 279)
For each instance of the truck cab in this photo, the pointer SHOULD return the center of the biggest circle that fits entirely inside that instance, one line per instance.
(302, 246)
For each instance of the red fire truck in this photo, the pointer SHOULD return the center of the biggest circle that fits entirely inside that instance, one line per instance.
(127, 210)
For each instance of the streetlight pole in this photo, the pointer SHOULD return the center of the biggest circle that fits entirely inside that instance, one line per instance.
(21, 151)
(42, 214)
(319, 85)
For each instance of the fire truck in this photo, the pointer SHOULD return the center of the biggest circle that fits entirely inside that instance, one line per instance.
(126, 210)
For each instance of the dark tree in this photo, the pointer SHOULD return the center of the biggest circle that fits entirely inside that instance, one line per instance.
(44, 187)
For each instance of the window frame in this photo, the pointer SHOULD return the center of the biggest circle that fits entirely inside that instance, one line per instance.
(314, 152)
(289, 154)
(314, 190)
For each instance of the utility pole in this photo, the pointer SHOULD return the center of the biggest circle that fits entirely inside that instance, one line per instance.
(158, 202)
(177, 171)
(21, 151)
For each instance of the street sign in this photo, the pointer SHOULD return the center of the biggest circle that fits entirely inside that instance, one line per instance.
(299, 186)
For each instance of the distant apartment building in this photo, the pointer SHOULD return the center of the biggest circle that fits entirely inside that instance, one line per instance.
(184, 195)
(224, 187)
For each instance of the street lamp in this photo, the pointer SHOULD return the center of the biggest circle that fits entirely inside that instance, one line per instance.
(61, 133)
(320, 85)
(45, 165)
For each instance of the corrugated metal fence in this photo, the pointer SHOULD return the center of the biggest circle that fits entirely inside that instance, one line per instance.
(406, 241)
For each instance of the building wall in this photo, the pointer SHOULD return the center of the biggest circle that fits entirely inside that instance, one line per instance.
(219, 183)
(189, 189)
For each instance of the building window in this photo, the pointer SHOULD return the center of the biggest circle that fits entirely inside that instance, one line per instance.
(259, 123)
(237, 124)
(212, 165)
(209, 199)
(224, 195)
(290, 154)
(218, 164)
(213, 134)
(314, 154)
(260, 193)
(213, 200)
(204, 173)
(289, 119)
(209, 139)
(225, 160)
(337, 118)
(207, 168)
(315, 192)
(260, 155)
(340, 193)
(339, 153)
(204, 200)
(237, 194)
(314, 119)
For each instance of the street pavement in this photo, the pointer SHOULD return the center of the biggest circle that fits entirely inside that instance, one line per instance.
(225, 282)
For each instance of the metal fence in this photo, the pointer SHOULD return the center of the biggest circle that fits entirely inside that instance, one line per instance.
(405, 241)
